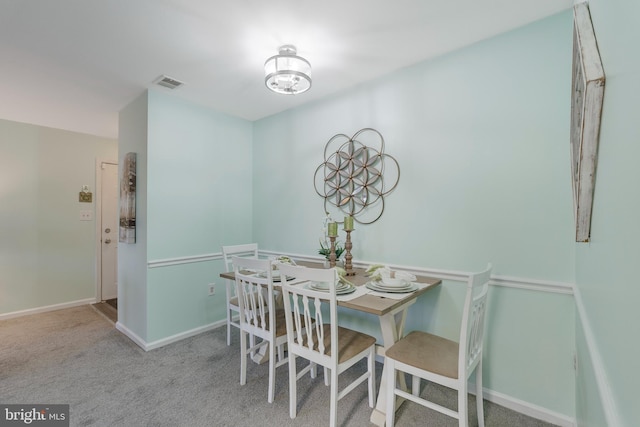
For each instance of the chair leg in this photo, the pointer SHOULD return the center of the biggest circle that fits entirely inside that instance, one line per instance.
(333, 401)
(228, 326)
(272, 371)
(313, 370)
(371, 362)
(293, 401)
(326, 376)
(281, 352)
(463, 411)
(415, 385)
(479, 398)
(243, 357)
(252, 343)
(391, 396)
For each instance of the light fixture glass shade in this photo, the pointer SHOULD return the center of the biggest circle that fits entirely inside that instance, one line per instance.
(287, 73)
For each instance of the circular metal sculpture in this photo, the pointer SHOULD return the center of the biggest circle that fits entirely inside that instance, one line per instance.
(356, 175)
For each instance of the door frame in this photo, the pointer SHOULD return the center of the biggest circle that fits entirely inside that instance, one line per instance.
(98, 217)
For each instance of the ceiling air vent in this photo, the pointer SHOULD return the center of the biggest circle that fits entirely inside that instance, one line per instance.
(168, 82)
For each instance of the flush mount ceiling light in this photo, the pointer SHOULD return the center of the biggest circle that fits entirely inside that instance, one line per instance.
(287, 73)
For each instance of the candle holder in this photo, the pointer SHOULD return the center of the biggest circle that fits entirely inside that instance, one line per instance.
(348, 257)
(332, 254)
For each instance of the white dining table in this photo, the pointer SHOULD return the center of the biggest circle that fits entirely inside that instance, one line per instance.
(392, 313)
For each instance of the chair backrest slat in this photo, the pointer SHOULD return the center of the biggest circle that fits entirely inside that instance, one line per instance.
(301, 302)
(297, 318)
(255, 294)
(476, 335)
(319, 322)
(473, 322)
(307, 318)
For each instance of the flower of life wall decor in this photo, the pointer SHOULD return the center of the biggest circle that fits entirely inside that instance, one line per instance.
(356, 175)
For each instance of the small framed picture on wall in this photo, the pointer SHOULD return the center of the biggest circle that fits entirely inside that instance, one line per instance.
(128, 199)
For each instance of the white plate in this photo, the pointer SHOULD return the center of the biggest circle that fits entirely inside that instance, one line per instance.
(375, 286)
(324, 286)
(319, 285)
(348, 290)
(274, 273)
(339, 291)
(404, 287)
(275, 276)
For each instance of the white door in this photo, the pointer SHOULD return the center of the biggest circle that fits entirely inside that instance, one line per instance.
(109, 231)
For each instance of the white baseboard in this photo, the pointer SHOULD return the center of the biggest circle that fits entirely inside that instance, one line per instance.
(131, 335)
(46, 308)
(526, 408)
(168, 340)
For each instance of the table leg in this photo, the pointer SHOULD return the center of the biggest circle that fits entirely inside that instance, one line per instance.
(262, 355)
(392, 327)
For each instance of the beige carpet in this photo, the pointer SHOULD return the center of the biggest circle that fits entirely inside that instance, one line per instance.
(76, 357)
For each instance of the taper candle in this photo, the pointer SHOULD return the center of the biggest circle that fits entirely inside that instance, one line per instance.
(332, 229)
(348, 222)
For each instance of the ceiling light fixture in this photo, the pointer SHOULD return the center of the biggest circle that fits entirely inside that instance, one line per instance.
(287, 73)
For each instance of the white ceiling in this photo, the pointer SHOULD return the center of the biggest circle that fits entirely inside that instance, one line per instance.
(73, 64)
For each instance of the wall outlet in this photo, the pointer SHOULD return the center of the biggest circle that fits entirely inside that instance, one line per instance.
(212, 289)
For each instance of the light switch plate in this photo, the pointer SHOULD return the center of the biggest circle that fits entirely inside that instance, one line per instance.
(86, 215)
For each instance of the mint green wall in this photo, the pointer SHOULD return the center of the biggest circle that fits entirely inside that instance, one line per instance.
(199, 178)
(606, 267)
(482, 138)
(132, 258)
(199, 198)
(47, 255)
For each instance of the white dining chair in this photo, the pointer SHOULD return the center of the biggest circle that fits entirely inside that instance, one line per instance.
(258, 315)
(442, 361)
(249, 250)
(328, 345)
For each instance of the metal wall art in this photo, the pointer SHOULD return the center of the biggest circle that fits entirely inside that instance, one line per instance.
(356, 175)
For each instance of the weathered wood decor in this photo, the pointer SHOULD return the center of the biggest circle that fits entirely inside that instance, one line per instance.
(586, 111)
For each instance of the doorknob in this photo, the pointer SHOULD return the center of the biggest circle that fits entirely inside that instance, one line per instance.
(107, 241)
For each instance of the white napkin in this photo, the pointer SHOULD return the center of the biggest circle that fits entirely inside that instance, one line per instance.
(386, 272)
(281, 259)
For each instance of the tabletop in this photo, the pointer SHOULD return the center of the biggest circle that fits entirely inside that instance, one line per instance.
(367, 303)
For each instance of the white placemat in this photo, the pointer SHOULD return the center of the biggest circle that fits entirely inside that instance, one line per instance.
(360, 290)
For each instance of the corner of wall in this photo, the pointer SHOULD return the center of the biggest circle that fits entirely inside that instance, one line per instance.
(590, 375)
